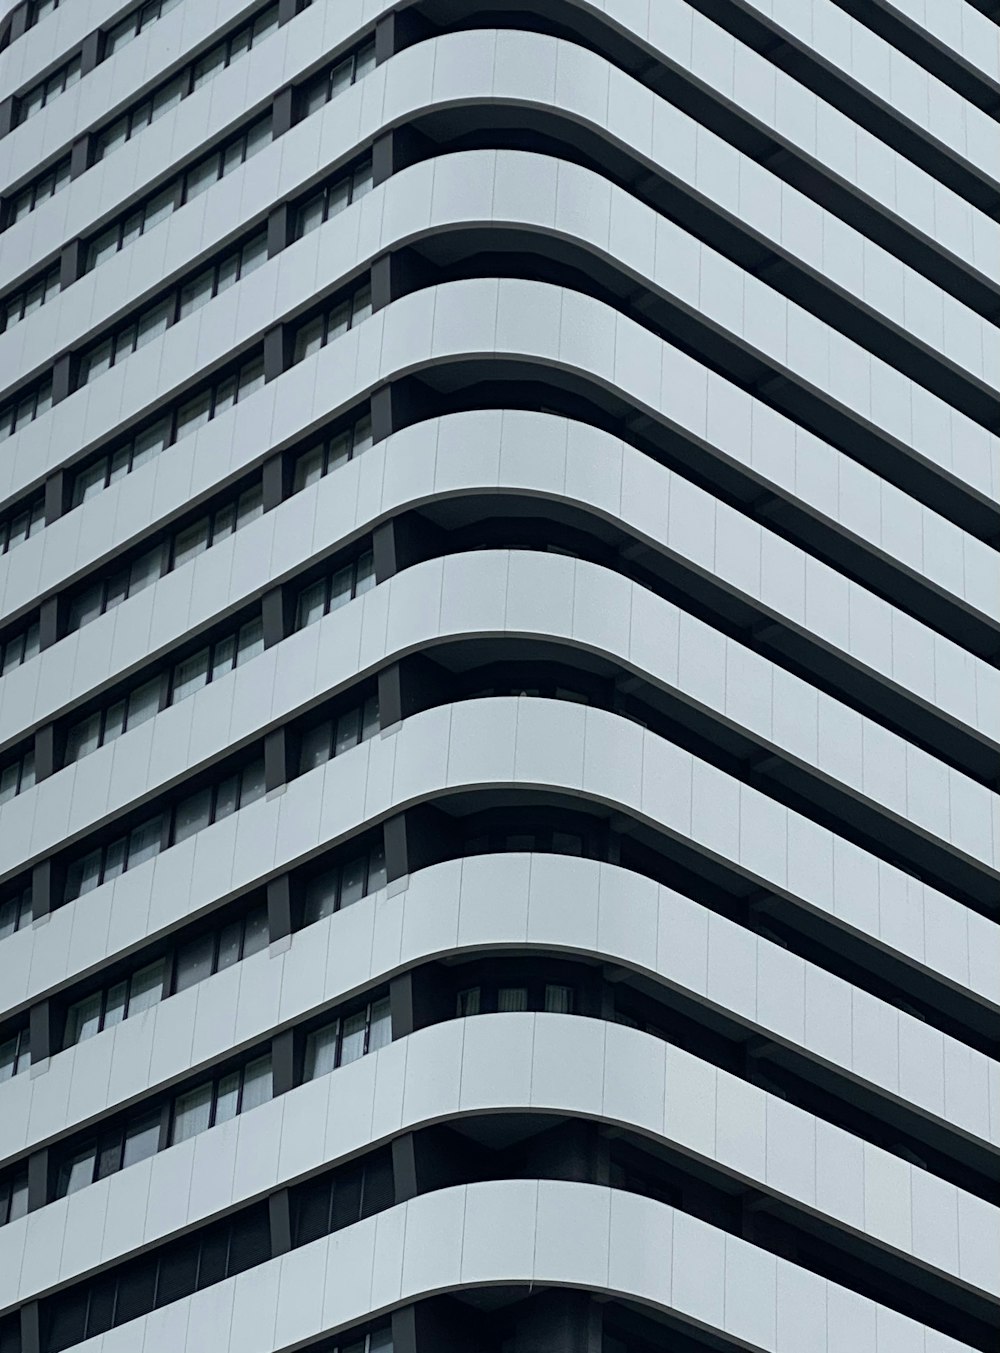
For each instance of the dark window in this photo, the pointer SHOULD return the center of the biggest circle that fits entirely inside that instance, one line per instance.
(32, 195)
(333, 451)
(135, 23)
(29, 298)
(28, 405)
(174, 1271)
(339, 887)
(126, 1141)
(312, 334)
(15, 1053)
(17, 775)
(151, 982)
(25, 522)
(335, 590)
(186, 816)
(332, 198)
(13, 1197)
(15, 912)
(183, 300)
(33, 100)
(347, 1038)
(19, 647)
(508, 998)
(186, 81)
(131, 708)
(320, 89)
(329, 737)
(233, 152)
(169, 427)
(324, 1205)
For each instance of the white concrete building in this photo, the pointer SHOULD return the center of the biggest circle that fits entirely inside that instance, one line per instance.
(499, 708)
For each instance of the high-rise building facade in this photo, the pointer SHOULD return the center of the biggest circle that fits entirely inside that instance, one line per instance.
(499, 710)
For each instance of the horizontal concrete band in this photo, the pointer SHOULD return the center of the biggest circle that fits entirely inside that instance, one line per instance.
(596, 91)
(575, 905)
(523, 1063)
(730, 424)
(779, 216)
(660, 508)
(893, 80)
(531, 1233)
(870, 390)
(501, 594)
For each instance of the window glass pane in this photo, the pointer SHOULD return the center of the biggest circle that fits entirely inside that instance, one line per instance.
(365, 574)
(225, 395)
(229, 945)
(227, 1097)
(190, 675)
(143, 703)
(254, 254)
(337, 198)
(559, 999)
(192, 1113)
(340, 450)
(146, 987)
(310, 215)
(196, 293)
(194, 414)
(9, 778)
(353, 1043)
(150, 442)
(364, 61)
(255, 931)
(114, 858)
(311, 604)
(96, 362)
(200, 177)
(167, 97)
(114, 1006)
(352, 885)
(159, 207)
(341, 77)
(227, 797)
(224, 656)
(83, 1019)
(256, 1084)
(308, 469)
(192, 814)
(83, 875)
(376, 869)
(369, 718)
(18, 1200)
(252, 784)
(154, 323)
(195, 962)
(144, 570)
(380, 1028)
(321, 896)
(512, 998)
(251, 377)
(8, 1058)
(321, 1051)
(144, 841)
(315, 748)
(338, 321)
(341, 587)
(468, 1002)
(308, 340)
(109, 1154)
(209, 64)
(114, 721)
(77, 1173)
(250, 506)
(251, 641)
(142, 1139)
(348, 731)
(190, 542)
